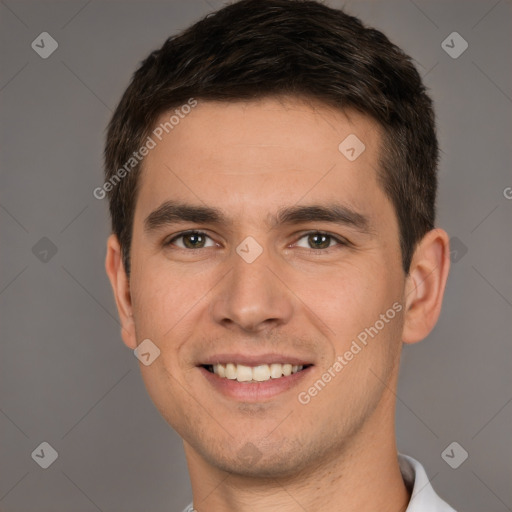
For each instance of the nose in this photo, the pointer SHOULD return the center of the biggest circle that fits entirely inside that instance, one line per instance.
(253, 297)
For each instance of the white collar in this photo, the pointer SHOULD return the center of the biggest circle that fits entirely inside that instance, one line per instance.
(423, 496)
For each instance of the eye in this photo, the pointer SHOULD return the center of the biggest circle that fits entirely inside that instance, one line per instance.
(191, 240)
(318, 240)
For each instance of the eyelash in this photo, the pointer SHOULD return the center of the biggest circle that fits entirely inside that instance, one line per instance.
(341, 241)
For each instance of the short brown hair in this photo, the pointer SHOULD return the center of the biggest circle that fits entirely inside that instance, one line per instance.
(259, 48)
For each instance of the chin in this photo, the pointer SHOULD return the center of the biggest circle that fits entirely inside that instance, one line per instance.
(266, 462)
(266, 468)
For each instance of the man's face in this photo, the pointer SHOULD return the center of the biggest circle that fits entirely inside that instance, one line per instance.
(212, 298)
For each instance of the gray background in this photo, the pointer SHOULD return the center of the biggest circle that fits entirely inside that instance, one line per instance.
(67, 378)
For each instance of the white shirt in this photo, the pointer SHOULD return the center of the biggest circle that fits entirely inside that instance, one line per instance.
(423, 496)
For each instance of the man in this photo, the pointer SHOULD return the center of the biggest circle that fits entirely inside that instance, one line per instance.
(271, 174)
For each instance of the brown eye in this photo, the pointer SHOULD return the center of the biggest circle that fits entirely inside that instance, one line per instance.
(318, 240)
(190, 240)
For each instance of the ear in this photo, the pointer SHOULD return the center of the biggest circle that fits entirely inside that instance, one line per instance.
(121, 287)
(425, 285)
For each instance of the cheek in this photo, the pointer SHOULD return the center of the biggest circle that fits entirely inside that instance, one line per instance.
(351, 301)
(163, 296)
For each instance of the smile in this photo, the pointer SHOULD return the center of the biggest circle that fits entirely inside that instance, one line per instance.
(258, 373)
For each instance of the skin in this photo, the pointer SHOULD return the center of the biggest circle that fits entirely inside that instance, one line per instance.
(250, 159)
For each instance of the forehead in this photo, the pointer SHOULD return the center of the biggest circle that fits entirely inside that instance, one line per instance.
(262, 154)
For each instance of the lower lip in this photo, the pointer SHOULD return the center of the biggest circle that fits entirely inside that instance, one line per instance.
(254, 391)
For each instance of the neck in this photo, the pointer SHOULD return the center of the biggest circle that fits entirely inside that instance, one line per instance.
(364, 476)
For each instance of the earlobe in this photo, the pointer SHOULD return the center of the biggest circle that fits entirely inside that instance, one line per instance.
(425, 285)
(121, 288)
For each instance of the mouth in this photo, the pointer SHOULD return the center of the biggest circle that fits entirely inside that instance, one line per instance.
(253, 374)
(254, 378)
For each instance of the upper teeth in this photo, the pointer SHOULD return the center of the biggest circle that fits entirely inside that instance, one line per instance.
(259, 373)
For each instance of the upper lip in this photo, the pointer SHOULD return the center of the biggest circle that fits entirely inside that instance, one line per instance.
(254, 360)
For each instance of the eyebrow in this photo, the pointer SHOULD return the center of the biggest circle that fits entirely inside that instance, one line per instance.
(171, 212)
